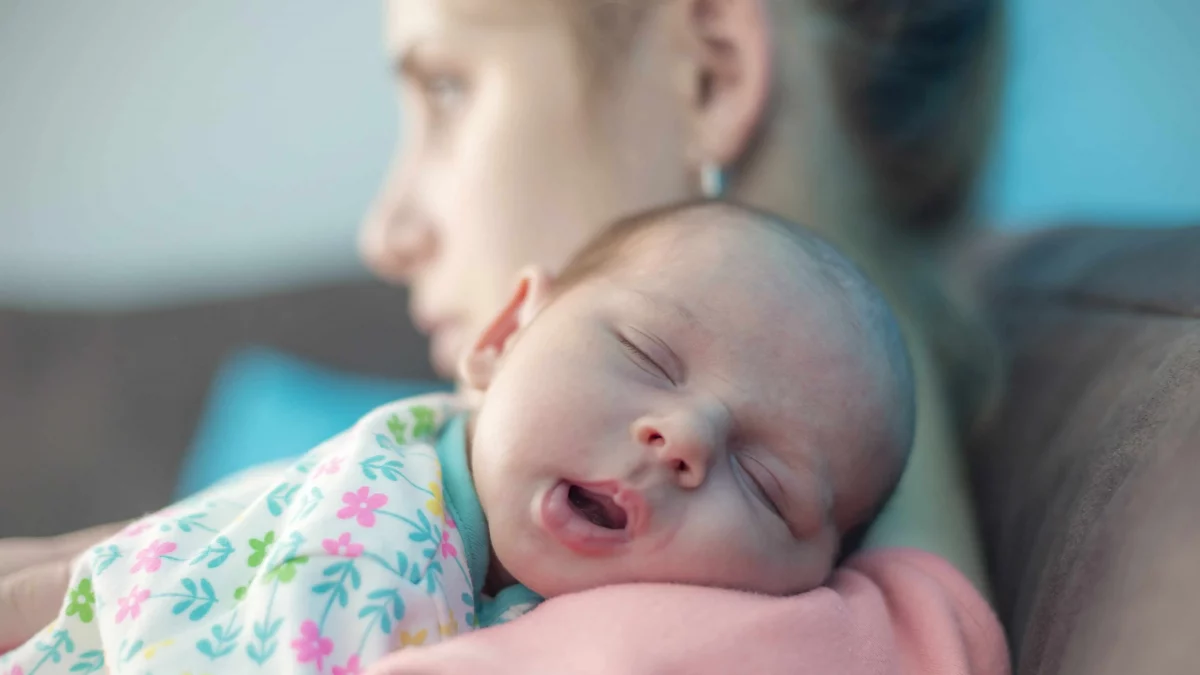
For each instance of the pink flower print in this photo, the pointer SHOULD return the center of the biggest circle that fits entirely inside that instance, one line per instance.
(350, 669)
(448, 550)
(131, 605)
(362, 505)
(16, 670)
(450, 521)
(329, 467)
(310, 646)
(342, 546)
(150, 558)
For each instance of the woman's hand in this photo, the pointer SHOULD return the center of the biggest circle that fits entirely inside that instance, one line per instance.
(34, 575)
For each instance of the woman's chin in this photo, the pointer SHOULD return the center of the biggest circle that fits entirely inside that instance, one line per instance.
(445, 348)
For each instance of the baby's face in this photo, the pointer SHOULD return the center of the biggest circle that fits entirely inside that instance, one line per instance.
(664, 422)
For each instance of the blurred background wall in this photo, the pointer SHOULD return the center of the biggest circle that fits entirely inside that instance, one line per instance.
(157, 151)
(152, 152)
(1102, 115)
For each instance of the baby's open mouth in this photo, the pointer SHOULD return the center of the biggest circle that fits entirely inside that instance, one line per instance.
(597, 508)
(593, 519)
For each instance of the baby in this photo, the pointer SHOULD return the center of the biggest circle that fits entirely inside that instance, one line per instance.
(706, 395)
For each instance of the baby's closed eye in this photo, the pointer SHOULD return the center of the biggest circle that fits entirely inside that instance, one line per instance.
(763, 483)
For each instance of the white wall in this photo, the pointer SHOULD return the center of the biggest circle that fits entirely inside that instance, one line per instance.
(152, 151)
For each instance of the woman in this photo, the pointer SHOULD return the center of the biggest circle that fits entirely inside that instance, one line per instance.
(530, 123)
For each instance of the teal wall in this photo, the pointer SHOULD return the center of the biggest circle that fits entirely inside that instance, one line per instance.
(1102, 115)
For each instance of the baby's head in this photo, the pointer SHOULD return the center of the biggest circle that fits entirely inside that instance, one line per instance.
(706, 395)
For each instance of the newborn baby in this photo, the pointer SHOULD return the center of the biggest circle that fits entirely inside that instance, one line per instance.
(706, 395)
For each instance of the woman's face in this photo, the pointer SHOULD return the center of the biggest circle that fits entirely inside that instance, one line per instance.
(512, 153)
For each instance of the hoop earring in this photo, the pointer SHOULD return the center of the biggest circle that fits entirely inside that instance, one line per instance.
(712, 180)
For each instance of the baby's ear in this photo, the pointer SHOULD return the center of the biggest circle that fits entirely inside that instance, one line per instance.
(532, 293)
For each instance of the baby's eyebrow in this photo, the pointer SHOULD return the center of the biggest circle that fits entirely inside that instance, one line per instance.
(671, 307)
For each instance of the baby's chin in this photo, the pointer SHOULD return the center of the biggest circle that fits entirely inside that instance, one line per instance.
(547, 572)
(553, 583)
(552, 574)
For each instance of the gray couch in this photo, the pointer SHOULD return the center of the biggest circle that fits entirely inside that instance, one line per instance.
(90, 401)
(1087, 477)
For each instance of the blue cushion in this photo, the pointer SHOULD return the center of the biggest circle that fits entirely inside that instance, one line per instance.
(265, 405)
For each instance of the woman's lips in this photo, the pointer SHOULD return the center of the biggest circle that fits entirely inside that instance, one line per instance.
(570, 525)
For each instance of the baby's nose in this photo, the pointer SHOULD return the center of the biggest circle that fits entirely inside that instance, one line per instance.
(684, 446)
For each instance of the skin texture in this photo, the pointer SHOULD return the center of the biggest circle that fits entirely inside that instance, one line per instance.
(510, 157)
(726, 439)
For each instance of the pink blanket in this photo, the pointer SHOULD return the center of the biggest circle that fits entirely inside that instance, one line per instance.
(886, 612)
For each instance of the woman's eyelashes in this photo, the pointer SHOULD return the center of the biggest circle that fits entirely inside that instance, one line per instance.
(445, 93)
(643, 360)
(442, 90)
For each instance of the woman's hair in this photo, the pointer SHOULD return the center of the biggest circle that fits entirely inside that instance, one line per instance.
(915, 82)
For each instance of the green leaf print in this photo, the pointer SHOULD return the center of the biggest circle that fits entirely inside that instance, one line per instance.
(200, 600)
(224, 640)
(89, 662)
(424, 531)
(424, 425)
(431, 577)
(264, 633)
(378, 464)
(391, 609)
(104, 558)
(468, 601)
(309, 502)
(336, 589)
(286, 570)
(260, 547)
(193, 521)
(397, 428)
(54, 651)
(220, 552)
(281, 496)
(132, 651)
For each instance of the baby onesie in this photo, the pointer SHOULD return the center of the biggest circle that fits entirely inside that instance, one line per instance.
(374, 541)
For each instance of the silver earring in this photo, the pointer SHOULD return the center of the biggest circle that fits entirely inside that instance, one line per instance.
(712, 180)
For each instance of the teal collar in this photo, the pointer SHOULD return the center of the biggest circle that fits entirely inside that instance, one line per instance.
(462, 500)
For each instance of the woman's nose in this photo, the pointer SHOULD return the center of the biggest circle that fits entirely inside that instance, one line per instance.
(397, 241)
(685, 445)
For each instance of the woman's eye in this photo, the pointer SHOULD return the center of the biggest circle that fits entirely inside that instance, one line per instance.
(445, 92)
(643, 360)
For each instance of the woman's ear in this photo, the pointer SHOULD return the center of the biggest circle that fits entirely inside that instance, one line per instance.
(532, 293)
(730, 75)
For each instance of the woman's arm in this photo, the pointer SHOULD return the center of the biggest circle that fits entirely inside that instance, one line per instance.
(932, 509)
(33, 579)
